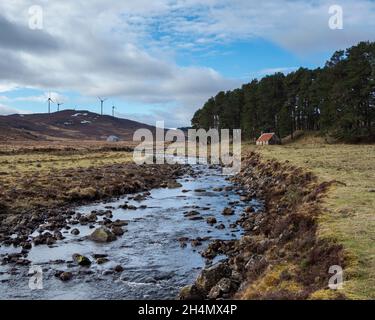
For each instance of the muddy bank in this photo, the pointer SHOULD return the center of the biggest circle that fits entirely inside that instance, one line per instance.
(48, 197)
(280, 256)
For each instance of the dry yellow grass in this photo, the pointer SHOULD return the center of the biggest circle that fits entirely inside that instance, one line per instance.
(349, 208)
(271, 280)
(38, 172)
(41, 156)
(45, 161)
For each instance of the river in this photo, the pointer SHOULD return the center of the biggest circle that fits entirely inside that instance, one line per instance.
(156, 265)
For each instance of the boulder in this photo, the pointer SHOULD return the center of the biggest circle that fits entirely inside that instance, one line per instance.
(81, 260)
(128, 207)
(196, 243)
(102, 235)
(249, 210)
(173, 185)
(118, 231)
(99, 255)
(119, 269)
(120, 223)
(222, 287)
(75, 232)
(195, 218)
(27, 246)
(66, 276)
(211, 220)
(211, 276)
(228, 212)
(191, 293)
(102, 260)
(192, 214)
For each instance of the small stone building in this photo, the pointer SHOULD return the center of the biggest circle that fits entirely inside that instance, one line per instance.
(113, 139)
(268, 139)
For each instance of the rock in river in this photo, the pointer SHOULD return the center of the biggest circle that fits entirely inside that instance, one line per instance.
(211, 220)
(66, 276)
(75, 232)
(228, 212)
(102, 260)
(174, 185)
(119, 269)
(118, 231)
(102, 235)
(81, 260)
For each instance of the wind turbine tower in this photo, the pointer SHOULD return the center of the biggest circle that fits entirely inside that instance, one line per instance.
(49, 103)
(113, 111)
(101, 104)
(58, 106)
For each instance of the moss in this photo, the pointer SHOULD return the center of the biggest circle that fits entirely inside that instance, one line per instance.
(326, 294)
(273, 284)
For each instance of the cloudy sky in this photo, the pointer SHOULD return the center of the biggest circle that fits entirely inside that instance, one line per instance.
(160, 59)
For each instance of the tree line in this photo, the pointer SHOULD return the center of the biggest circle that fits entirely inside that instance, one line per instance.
(338, 100)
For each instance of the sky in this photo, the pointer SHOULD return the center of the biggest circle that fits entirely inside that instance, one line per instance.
(160, 60)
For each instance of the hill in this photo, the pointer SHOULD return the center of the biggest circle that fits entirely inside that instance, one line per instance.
(67, 124)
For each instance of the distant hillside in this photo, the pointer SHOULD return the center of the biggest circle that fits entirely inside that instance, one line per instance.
(67, 124)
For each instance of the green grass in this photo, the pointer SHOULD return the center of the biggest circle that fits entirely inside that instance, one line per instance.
(349, 208)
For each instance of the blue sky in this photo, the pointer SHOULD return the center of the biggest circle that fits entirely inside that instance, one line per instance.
(250, 59)
(161, 60)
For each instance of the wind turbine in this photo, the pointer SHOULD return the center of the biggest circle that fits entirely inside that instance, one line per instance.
(49, 103)
(101, 104)
(58, 106)
(113, 111)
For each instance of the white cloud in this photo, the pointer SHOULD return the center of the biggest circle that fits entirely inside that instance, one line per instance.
(7, 87)
(126, 48)
(56, 97)
(6, 110)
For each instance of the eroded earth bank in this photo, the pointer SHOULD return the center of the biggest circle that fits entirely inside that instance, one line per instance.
(280, 256)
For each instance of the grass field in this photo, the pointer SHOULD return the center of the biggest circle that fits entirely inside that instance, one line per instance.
(35, 173)
(349, 208)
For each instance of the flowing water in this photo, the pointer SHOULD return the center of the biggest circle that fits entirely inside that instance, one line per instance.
(155, 265)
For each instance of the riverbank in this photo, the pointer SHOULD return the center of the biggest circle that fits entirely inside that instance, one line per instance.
(281, 255)
(347, 213)
(42, 185)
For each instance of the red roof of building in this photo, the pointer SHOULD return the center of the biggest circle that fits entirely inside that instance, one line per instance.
(265, 137)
